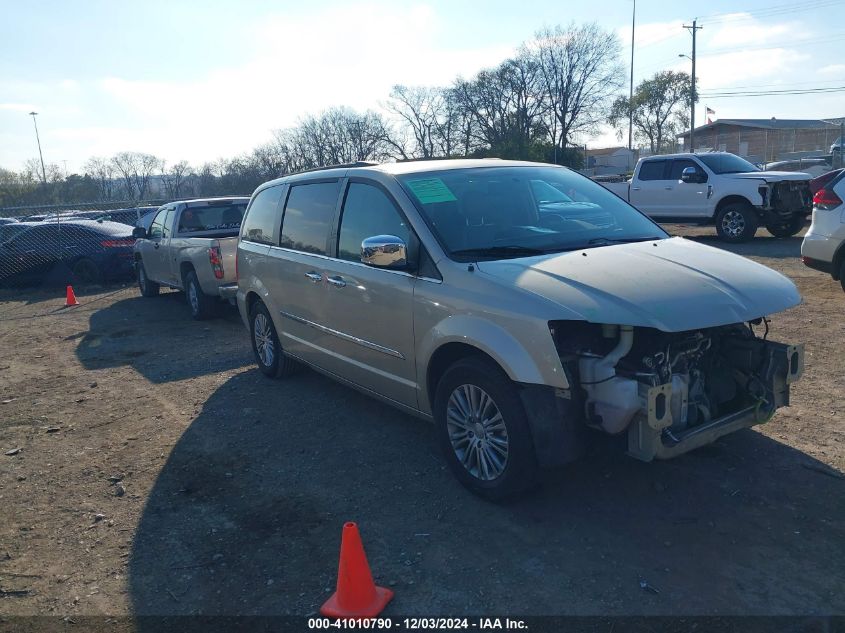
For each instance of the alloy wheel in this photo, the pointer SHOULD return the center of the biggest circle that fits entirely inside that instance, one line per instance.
(262, 333)
(733, 223)
(477, 432)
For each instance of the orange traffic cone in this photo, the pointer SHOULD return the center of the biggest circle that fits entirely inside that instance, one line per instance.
(357, 595)
(71, 298)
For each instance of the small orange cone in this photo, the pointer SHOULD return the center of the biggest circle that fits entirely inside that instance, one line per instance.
(71, 298)
(357, 595)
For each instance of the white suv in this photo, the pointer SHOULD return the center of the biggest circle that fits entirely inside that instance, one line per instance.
(823, 247)
(473, 294)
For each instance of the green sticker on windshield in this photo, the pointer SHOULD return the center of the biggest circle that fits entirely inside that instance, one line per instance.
(431, 190)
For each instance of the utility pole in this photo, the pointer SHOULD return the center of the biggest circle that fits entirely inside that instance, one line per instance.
(40, 155)
(694, 28)
(631, 91)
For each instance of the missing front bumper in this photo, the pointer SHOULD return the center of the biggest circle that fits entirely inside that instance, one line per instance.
(649, 436)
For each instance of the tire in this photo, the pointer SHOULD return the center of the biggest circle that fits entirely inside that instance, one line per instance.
(736, 222)
(269, 355)
(148, 288)
(200, 304)
(495, 470)
(793, 227)
(842, 275)
(87, 272)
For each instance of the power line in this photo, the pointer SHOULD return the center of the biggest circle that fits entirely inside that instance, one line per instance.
(775, 85)
(773, 93)
(773, 11)
(805, 43)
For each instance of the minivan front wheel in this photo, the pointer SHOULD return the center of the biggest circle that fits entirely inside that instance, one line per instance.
(483, 430)
(265, 344)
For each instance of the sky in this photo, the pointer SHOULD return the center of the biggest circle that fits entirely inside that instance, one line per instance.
(198, 81)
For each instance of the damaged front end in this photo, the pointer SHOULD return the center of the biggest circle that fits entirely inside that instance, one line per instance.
(783, 200)
(674, 392)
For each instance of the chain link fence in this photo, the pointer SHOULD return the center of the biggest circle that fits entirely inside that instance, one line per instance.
(80, 244)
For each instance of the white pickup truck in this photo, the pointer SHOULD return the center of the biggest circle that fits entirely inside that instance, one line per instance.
(191, 245)
(718, 188)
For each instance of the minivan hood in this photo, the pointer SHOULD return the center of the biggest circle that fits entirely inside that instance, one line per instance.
(672, 284)
(772, 176)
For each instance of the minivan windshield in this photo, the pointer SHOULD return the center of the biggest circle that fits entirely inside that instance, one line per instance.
(722, 163)
(503, 212)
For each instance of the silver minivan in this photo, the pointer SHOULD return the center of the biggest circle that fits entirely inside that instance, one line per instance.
(517, 305)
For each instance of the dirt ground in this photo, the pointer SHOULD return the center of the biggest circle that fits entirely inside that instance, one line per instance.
(160, 473)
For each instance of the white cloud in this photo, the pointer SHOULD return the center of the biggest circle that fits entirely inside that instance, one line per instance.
(832, 69)
(17, 107)
(294, 69)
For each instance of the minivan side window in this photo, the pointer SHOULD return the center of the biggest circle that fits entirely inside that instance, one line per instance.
(367, 212)
(652, 170)
(262, 220)
(309, 215)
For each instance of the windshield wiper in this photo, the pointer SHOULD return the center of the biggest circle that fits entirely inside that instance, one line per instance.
(493, 251)
(621, 240)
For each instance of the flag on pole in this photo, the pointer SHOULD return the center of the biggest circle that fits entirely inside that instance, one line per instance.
(708, 111)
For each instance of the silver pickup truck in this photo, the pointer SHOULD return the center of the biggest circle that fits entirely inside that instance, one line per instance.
(191, 245)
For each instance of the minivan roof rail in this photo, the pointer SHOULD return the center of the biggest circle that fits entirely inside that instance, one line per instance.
(358, 163)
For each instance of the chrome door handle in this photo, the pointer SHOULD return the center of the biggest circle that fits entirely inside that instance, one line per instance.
(668, 188)
(635, 188)
(337, 282)
(315, 277)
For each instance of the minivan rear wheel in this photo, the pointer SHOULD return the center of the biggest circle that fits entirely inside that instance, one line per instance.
(842, 275)
(269, 356)
(483, 430)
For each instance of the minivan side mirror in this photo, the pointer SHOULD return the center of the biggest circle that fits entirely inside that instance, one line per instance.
(692, 175)
(139, 233)
(384, 251)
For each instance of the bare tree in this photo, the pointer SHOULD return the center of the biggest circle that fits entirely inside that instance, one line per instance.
(135, 169)
(506, 105)
(102, 171)
(339, 135)
(581, 72)
(423, 110)
(175, 178)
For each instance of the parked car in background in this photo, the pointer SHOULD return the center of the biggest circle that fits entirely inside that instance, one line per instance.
(811, 166)
(147, 219)
(458, 291)
(124, 216)
(836, 147)
(92, 252)
(191, 246)
(823, 247)
(820, 181)
(8, 231)
(718, 188)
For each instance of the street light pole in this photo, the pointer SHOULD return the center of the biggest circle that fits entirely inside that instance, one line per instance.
(631, 91)
(692, 29)
(40, 155)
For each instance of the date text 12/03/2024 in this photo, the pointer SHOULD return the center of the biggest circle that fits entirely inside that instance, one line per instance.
(419, 624)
